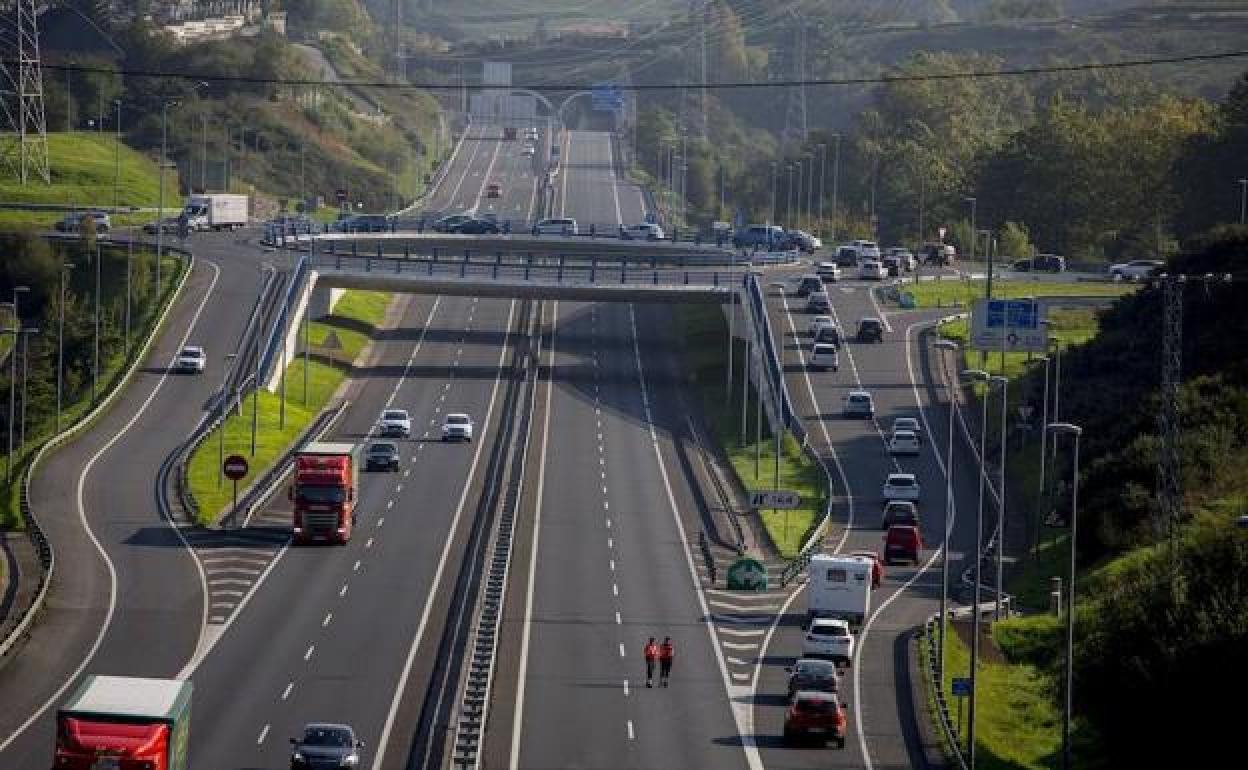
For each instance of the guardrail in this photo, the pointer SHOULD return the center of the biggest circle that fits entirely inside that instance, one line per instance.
(47, 556)
(938, 691)
(294, 286)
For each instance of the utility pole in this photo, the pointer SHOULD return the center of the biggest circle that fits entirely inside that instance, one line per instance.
(17, 334)
(117, 158)
(203, 153)
(836, 177)
(95, 367)
(1169, 476)
(823, 169)
(60, 344)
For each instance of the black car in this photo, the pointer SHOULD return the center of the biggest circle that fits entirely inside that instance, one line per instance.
(1048, 263)
(809, 283)
(813, 674)
(478, 227)
(870, 330)
(382, 456)
(325, 746)
(448, 224)
(830, 334)
(365, 223)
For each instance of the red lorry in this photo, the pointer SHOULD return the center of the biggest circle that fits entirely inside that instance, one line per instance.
(124, 723)
(325, 491)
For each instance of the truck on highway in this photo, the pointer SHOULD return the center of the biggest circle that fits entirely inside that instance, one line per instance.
(218, 211)
(839, 587)
(325, 491)
(121, 722)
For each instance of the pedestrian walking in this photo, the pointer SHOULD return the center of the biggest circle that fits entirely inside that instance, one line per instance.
(651, 653)
(666, 653)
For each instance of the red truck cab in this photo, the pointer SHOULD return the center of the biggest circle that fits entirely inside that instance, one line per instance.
(325, 492)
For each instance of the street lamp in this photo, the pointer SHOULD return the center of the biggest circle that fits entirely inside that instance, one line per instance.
(224, 400)
(1243, 200)
(25, 340)
(17, 326)
(1004, 382)
(1044, 438)
(771, 215)
(953, 347)
(255, 390)
(1067, 429)
(164, 161)
(836, 177)
(971, 257)
(117, 159)
(60, 343)
(823, 168)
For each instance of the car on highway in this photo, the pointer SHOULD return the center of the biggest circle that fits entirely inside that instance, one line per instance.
(904, 442)
(493, 190)
(1041, 263)
(457, 427)
(903, 257)
(866, 249)
(556, 226)
(903, 542)
(939, 254)
(323, 745)
(480, 226)
(828, 638)
(824, 356)
(364, 223)
(528, 150)
(803, 241)
(818, 302)
(813, 675)
(1136, 269)
(191, 360)
(168, 225)
(908, 423)
(829, 333)
(818, 321)
(871, 270)
(530, 134)
(817, 716)
(901, 486)
(877, 566)
(642, 231)
(870, 330)
(858, 403)
(828, 271)
(770, 237)
(448, 223)
(394, 423)
(809, 283)
(382, 456)
(899, 512)
(73, 221)
(846, 256)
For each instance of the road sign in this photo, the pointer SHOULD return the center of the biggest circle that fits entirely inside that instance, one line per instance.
(331, 341)
(778, 499)
(961, 686)
(1015, 325)
(234, 467)
(606, 97)
(747, 574)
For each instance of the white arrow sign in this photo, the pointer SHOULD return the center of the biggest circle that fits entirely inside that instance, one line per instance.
(775, 499)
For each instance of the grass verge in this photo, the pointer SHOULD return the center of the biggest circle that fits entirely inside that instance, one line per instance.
(959, 292)
(356, 310)
(1069, 326)
(703, 332)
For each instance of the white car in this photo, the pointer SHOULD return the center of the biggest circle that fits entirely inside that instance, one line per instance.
(828, 638)
(643, 231)
(903, 256)
(557, 226)
(866, 249)
(530, 134)
(901, 486)
(1136, 269)
(528, 151)
(908, 423)
(904, 442)
(394, 422)
(192, 359)
(458, 427)
(828, 271)
(871, 270)
(859, 404)
(823, 356)
(818, 321)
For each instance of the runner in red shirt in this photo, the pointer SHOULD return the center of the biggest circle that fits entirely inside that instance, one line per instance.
(666, 653)
(651, 653)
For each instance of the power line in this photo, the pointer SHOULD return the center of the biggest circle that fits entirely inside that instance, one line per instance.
(807, 82)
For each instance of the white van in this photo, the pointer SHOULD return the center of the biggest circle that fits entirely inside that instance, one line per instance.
(839, 587)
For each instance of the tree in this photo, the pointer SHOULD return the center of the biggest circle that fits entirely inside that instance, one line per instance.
(1014, 240)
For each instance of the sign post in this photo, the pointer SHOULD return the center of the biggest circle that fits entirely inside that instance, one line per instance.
(1009, 325)
(961, 687)
(235, 468)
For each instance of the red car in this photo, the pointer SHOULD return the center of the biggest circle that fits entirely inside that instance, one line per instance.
(877, 568)
(902, 542)
(818, 716)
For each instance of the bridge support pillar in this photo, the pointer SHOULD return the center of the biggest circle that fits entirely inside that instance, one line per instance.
(322, 300)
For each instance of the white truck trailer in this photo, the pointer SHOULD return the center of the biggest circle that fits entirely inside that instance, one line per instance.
(217, 211)
(839, 587)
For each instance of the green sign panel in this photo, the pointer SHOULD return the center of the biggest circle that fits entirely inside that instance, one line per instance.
(747, 574)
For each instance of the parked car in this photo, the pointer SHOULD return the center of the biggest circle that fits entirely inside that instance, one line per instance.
(1046, 263)
(815, 715)
(905, 259)
(818, 302)
(394, 423)
(899, 512)
(325, 745)
(858, 403)
(457, 427)
(760, 237)
(871, 270)
(877, 566)
(831, 334)
(809, 283)
(448, 224)
(870, 330)
(642, 231)
(902, 542)
(824, 356)
(1136, 269)
(814, 675)
(191, 359)
(904, 442)
(478, 227)
(828, 638)
(382, 456)
(828, 271)
(556, 226)
(493, 190)
(901, 486)
(73, 221)
(803, 241)
(815, 323)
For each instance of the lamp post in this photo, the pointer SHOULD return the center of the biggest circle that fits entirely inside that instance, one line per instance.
(17, 327)
(771, 213)
(953, 347)
(129, 270)
(823, 169)
(164, 161)
(788, 198)
(60, 343)
(1243, 200)
(224, 401)
(117, 158)
(971, 257)
(836, 178)
(24, 337)
(1044, 438)
(95, 356)
(255, 390)
(1004, 382)
(1067, 429)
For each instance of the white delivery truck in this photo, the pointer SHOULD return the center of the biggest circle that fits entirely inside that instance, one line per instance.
(839, 587)
(218, 211)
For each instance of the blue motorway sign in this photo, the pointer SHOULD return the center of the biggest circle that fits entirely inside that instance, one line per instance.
(607, 97)
(961, 686)
(1009, 324)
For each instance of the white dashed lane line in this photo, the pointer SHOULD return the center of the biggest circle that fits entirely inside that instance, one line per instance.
(289, 687)
(329, 616)
(311, 649)
(264, 733)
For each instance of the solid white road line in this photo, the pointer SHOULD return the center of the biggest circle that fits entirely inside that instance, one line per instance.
(446, 550)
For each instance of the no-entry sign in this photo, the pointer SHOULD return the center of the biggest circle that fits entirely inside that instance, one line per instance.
(234, 467)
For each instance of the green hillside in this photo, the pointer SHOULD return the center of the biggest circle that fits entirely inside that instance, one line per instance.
(84, 167)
